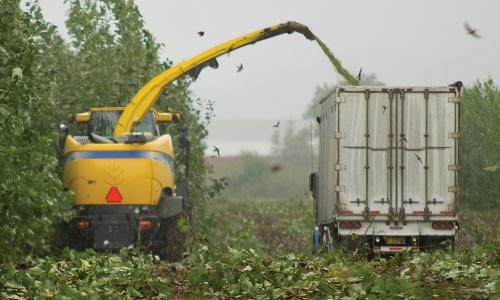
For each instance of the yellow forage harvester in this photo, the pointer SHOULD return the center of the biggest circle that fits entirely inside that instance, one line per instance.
(120, 167)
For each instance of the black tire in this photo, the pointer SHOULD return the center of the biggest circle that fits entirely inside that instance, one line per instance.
(171, 238)
(61, 238)
(176, 239)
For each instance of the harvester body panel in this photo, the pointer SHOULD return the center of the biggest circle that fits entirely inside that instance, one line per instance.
(139, 172)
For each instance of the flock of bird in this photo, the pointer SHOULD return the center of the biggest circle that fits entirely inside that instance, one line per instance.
(470, 30)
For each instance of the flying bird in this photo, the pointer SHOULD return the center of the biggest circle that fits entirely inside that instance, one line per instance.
(276, 168)
(384, 108)
(471, 31)
(359, 74)
(239, 68)
(418, 158)
(318, 119)
(201, 33)
(458, 85)
(216, 150)
(277, 125)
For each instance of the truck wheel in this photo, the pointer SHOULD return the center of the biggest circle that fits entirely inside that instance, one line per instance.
(173, 238)
(61, 238)
(326, 239)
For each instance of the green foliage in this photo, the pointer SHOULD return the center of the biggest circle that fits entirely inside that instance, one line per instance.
(30, 191)
(110, 56)
(270, 225)
(480, 146)
(86, 275)
(249, 257)
(238, 263)
(250, 274)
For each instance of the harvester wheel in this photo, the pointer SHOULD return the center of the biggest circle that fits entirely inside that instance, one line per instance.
(61, 238)
(175, 232)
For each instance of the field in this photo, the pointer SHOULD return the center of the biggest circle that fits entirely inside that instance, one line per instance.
(252, 227)
(260, 249)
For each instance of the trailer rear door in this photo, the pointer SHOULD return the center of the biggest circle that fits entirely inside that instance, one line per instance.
(398, 151)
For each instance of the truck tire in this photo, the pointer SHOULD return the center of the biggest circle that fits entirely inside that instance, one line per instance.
(61, 238)
(174, 239)
(172, 236)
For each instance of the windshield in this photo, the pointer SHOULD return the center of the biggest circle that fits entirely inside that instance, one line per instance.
(103, 123)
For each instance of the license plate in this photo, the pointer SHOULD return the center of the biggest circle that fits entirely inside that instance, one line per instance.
(396, 240)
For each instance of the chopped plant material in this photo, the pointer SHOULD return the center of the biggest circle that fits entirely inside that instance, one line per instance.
(336, 63)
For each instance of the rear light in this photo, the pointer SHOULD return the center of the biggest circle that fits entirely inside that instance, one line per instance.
(443, 225)
(350, 225)
(396, 249)
(82, 224)
(145, 224)
(446, 213)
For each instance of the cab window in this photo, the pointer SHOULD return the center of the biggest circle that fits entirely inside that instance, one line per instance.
(103, 123)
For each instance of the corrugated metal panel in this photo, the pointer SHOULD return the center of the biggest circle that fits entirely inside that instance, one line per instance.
(325, 208)
(389, 151)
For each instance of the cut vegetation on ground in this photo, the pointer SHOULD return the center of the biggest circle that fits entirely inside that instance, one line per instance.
(260, 249)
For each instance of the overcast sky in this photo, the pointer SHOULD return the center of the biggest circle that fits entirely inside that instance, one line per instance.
(404, 42)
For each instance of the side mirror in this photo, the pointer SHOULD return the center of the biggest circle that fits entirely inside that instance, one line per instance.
(167, 117)
(79, 118)
(82, 117)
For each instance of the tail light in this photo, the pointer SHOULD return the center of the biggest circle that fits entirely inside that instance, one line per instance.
(350, 225)
(82, 224)
(145, 224)
(443, 225)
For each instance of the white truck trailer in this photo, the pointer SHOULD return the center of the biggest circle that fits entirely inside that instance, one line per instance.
(388, 167)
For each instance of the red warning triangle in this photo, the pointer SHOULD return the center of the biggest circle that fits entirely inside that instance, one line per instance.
(114, 195)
